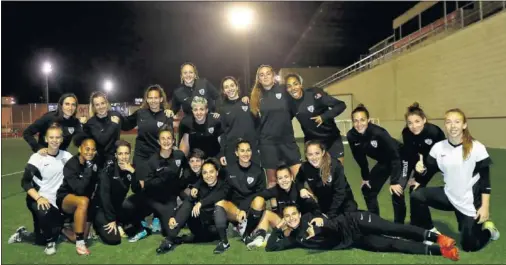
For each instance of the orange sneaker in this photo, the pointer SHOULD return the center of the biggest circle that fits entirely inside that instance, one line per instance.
(450, 253)
(445, 241)
(82, 249)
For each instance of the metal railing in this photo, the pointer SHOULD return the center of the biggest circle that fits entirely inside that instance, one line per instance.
(458, 19)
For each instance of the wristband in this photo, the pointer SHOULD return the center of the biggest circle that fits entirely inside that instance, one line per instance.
(38, 198)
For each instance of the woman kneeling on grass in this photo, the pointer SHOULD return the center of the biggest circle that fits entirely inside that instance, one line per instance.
(114, 184)
(78, 189)
(43, 176)
(465, 164)
(360, 229)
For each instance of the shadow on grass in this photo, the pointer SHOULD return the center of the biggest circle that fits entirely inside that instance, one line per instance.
(445, 229)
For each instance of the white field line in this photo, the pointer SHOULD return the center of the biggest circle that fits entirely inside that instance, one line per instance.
(13, 173)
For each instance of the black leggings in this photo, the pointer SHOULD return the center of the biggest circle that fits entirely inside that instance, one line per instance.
(202, 227)
(472, 237)
(378, 176)
(47, 224)
(99, 226)
(374, 230)
(138, 206)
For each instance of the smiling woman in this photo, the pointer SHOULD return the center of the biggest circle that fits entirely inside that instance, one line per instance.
(200, 130)
(65, 115)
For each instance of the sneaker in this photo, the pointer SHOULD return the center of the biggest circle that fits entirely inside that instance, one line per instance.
(155, 225)
(122, 232)
(445, 241)
(17, 236)
(258, 242)
(92, 235)
(165, 247)
(221, 247)
(494, 232)
(138, 236)
(433, 230)
(82, 249)
(450, 253)
(50, 248)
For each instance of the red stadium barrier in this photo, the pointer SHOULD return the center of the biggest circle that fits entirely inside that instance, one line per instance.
(423, 31)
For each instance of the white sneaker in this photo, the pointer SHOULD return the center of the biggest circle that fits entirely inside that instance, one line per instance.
(256, 243)
(17, 236)
(50, 248)
(433, 230)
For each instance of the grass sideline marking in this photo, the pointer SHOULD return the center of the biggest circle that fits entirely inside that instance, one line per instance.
(13, 173)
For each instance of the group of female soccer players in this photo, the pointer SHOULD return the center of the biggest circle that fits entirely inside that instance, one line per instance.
(236, 153)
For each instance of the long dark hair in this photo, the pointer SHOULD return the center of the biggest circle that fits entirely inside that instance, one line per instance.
(59, 111)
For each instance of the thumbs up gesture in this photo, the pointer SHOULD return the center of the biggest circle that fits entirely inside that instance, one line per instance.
(420, 167)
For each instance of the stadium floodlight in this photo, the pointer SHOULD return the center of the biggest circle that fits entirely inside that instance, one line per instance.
(240, 17)
(108, 86)
(47, 68)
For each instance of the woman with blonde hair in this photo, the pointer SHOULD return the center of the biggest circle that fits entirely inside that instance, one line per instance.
(192, 86)
(270, 103)
(465, 165)
(104, 126)
(200, 130)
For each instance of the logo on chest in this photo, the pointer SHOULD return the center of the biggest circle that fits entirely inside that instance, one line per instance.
(178, 162)
(428, 141)
(278, 95)
(71, 130)
(202, 91)
(310, 108)
(210, 130)
(374, 143)
(129, 177)
(159, 124)
(244, 108)
(250, 180)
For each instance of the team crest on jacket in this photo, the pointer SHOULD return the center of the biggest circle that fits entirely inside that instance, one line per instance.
(159, 124)
(330, 178)
(250, 180)
(317, 95)
(71, 130)
(245, 108)
(278, 95)
(310, 108)
(210, 130)
(95, 167)
(374, 143)
(202, 91)
(428, 141)
(129, 177)
(178, 162)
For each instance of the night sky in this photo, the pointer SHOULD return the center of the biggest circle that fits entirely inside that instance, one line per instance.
(136, 44)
